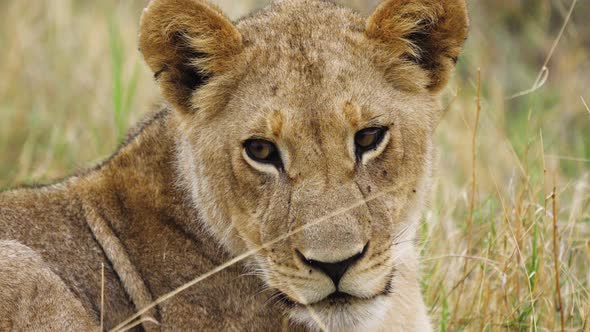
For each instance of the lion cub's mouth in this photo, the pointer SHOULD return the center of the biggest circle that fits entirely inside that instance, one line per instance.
(335, 299)
(338, 297)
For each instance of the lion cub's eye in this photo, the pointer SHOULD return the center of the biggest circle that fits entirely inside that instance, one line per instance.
(368, 139)
(263, 152)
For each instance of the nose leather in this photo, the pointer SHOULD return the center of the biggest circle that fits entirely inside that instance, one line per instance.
(334, 270)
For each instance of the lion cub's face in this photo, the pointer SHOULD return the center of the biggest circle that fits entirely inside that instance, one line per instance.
(306, 130)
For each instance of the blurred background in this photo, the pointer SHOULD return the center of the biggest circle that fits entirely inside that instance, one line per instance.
(73, 82)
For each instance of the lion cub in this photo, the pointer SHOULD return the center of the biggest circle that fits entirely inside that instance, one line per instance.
(301, 134)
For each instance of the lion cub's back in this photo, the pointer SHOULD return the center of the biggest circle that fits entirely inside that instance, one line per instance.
(51, 222)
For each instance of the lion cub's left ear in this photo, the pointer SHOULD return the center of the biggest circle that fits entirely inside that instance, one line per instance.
(427, 33)
(185, 42)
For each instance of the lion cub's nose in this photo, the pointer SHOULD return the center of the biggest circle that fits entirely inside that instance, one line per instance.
(333, 270)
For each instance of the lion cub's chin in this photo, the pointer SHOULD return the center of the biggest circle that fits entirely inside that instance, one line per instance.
(352, 315)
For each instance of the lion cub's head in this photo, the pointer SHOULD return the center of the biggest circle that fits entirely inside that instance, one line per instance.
(306, 129)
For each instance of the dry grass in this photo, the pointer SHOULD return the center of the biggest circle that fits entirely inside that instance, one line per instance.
(73, 81)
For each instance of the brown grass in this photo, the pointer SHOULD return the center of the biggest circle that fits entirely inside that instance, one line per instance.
(472, 199)
(556, 255)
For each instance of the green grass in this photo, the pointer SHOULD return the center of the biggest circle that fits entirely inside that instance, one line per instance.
(123, 92)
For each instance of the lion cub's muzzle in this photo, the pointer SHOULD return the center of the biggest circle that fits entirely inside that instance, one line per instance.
(358, 276)
(334, 270)
(344, 258)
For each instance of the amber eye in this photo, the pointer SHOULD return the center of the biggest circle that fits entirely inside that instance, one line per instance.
(263, 152)
(368, 139)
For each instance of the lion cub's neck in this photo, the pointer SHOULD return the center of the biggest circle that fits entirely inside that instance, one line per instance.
(136, 193)
(139, 180)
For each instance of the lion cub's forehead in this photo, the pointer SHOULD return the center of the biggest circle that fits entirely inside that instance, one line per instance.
(292, 27)
(307, 59)
(304, 15)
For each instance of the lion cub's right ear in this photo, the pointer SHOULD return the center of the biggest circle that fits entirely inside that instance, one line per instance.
(185, 42)
(426, 33)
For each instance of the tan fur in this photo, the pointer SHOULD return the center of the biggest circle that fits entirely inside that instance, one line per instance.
(181, 197)
(430, 32)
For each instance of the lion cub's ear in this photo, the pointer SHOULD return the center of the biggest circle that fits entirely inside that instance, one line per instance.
(185, 42)
(429, 33)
